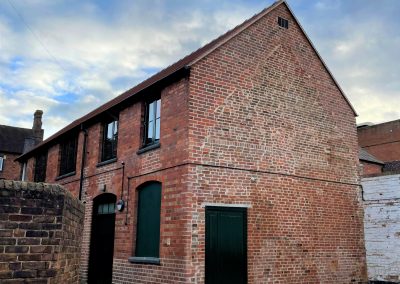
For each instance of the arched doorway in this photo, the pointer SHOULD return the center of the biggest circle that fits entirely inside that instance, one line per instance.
(102, 239)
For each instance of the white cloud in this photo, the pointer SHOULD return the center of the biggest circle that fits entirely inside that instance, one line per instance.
(105, 50)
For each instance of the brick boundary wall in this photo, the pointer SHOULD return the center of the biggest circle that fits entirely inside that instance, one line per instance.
(40, 233)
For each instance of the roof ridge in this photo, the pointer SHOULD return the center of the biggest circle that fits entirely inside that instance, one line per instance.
(15, 127)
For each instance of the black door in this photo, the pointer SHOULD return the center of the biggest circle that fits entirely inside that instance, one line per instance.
(226, 245)
(102, 239)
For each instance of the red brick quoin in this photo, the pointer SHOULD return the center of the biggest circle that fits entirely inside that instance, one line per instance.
(253, 120)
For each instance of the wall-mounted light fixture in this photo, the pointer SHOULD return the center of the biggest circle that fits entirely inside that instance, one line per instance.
(120, 205)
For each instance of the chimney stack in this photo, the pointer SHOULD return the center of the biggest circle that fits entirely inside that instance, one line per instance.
(37, 126)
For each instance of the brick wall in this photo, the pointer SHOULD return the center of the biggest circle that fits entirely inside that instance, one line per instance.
(175, 232)
(381, 140)
(152, 165)
(299, 230)
(371, 169)
(11, 169)
(258, 122)
(382, 227)
(40, 233)
(270, 129)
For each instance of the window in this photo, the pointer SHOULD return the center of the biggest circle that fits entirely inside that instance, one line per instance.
(1, 163)
(148, 221)
(283, 23)
(152, 123)
(68, 156)
(23, 174)
(40, 167)
(106, 208)
(110, 140)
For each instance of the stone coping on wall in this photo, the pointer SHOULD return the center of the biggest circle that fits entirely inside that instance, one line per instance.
(34, 186)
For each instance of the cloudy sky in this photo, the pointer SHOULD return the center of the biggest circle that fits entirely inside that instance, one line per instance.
(68, 57)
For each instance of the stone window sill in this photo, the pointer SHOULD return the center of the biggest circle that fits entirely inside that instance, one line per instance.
(144, 260)
(66, 175)
(103, 163)
(148, 148)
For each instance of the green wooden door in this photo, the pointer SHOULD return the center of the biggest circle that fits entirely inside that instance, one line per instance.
(148, 221)
(226, 245)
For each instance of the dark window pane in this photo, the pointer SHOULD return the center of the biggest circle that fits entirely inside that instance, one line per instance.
(110, 133)
(106, 208)
(150, 130)
(110, 141)
(151, 111)
(68, 156)
(40, 167)
(115, 128)
(152, 122)
(111, 208)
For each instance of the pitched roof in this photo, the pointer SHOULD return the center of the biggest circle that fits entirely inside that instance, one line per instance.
(363, 155)
(184, 63)
(393, 166)
(12, 139)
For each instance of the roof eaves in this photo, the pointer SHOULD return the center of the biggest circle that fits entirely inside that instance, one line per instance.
(372, 162)
(183, 63)
(108, 105)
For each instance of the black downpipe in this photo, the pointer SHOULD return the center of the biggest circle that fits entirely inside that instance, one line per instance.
(362, 193)
(83, 161)
(122, 181)
(127, 203)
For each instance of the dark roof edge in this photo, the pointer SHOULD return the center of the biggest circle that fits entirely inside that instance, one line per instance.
(98, 111)
(372, 162)
(183, 63)
(11, 153)
(378, 124)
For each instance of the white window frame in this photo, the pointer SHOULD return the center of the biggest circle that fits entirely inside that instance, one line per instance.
(23, 176)
(1, 163)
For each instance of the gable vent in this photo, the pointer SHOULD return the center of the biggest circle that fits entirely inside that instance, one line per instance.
(283, 23)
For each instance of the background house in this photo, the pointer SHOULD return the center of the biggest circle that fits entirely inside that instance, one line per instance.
(236, 164)
(13, 142)
(370, 164)
(382, 142)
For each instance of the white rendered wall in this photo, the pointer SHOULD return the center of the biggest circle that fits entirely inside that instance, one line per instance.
(382, 226)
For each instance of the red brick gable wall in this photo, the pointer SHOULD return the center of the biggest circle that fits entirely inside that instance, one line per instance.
(270, 130)
(267, 98)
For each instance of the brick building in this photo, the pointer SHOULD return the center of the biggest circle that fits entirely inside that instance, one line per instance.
(13, 142)
(370, 164)
(382, 142)
(236, 164)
